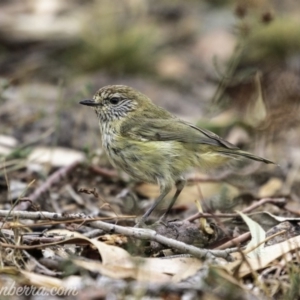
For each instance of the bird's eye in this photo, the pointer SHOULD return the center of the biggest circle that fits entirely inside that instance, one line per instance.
(114, 100)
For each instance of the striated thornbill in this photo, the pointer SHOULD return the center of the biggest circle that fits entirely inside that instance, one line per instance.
(152, 145)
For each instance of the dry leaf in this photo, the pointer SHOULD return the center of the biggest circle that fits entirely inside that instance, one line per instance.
(55, 156)
(258, 235)
(118, 263)
(268, 255)
(7, 144)
(256, 111)
(270, 188)
(190, 193)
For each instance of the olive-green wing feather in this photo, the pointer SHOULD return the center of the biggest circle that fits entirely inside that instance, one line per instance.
(171, 129)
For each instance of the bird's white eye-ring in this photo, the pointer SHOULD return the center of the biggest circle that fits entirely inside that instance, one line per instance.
(114, 100)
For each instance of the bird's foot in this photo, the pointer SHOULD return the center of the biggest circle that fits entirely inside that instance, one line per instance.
(140, 223)
(163, 219)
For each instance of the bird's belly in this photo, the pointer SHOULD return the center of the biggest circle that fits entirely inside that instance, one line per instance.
(155, 162)
(163, 162)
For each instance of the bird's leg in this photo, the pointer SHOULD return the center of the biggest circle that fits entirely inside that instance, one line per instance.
(164, 191)
(204, 225)
(179, 187)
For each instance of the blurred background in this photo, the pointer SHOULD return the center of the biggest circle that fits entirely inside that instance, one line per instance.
(230, 66)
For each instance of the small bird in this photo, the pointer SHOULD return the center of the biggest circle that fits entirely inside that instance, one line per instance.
(154, 146)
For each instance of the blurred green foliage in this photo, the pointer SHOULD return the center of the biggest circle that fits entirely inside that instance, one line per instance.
(273, 41)
(116, 37)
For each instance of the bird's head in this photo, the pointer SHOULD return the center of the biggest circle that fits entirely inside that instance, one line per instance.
(114, 102)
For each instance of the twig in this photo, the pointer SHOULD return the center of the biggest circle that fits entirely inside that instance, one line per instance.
(147, 234)
(43, 270)
(32, 237)
(232, 65)
(140, 233)
(49, 216)
(104, 172)
(53, 179)
(275, 201)
(93, 233)
(236, 241)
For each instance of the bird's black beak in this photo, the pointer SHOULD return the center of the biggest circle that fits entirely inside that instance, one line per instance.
(89, 103)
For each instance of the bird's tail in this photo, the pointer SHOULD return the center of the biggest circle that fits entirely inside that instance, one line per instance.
(247, 155)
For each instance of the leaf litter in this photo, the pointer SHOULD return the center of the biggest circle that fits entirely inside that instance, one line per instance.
(67, 216)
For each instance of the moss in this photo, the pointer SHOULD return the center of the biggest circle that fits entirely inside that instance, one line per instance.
(272, 42)
(115, 38)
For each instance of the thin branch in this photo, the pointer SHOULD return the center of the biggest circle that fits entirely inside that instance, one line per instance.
(139, 233)
(52, 180)
(104, 172)
(235, 241)
(45, 215)
(276, 201)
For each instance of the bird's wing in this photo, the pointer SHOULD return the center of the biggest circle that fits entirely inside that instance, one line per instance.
(170, 130)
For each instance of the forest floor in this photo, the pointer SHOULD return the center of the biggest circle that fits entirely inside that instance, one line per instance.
(68, 216)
